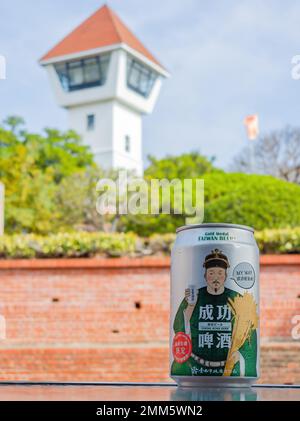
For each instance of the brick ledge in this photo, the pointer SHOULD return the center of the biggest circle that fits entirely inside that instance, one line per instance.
(85, 263)
(125, 262)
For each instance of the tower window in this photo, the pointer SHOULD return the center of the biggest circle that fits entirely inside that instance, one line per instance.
(90, 122)
(127, 143)
(85, 73)
(140, 78)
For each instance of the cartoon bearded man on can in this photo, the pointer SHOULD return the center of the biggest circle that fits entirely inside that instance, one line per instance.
(208, 321)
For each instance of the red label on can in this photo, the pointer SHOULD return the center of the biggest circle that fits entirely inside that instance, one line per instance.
(181, 347)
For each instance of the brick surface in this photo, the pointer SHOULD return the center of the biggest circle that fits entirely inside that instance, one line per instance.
(108, 320)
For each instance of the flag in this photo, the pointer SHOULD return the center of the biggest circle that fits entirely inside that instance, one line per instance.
(251, 123)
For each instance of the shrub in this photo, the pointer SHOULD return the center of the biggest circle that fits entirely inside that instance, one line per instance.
(112, 245)
(67, 245)
(279, 240)
(257, 200)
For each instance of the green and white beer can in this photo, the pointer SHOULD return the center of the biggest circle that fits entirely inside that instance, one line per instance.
(214, 328)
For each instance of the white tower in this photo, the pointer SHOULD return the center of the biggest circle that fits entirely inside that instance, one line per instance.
(106, 79)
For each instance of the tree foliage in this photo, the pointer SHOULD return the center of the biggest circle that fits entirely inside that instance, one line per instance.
(187, 165)
(32, 167)
(50, 186)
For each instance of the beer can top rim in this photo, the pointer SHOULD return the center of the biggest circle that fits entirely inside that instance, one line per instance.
(214, 225)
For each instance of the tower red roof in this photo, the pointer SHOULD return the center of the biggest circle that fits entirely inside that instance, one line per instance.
(103, 28)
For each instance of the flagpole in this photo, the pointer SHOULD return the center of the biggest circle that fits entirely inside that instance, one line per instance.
(252, 157)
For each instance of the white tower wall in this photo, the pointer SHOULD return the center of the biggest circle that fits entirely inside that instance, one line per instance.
(127, 127)
(100, 138)
(115, 127)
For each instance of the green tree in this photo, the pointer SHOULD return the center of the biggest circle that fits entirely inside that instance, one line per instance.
(63, 152)
(29, 192)
(13, 122)
(76, 202)
(187, 165)
(32, 167)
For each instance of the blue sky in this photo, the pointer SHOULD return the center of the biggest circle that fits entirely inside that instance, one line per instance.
(227, 60)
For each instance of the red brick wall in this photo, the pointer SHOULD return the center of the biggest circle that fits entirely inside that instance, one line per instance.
(107, 320)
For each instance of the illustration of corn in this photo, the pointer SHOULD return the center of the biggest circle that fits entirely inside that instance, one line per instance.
(245, 318)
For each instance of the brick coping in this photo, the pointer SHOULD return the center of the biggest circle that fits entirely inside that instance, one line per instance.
(125, 262)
